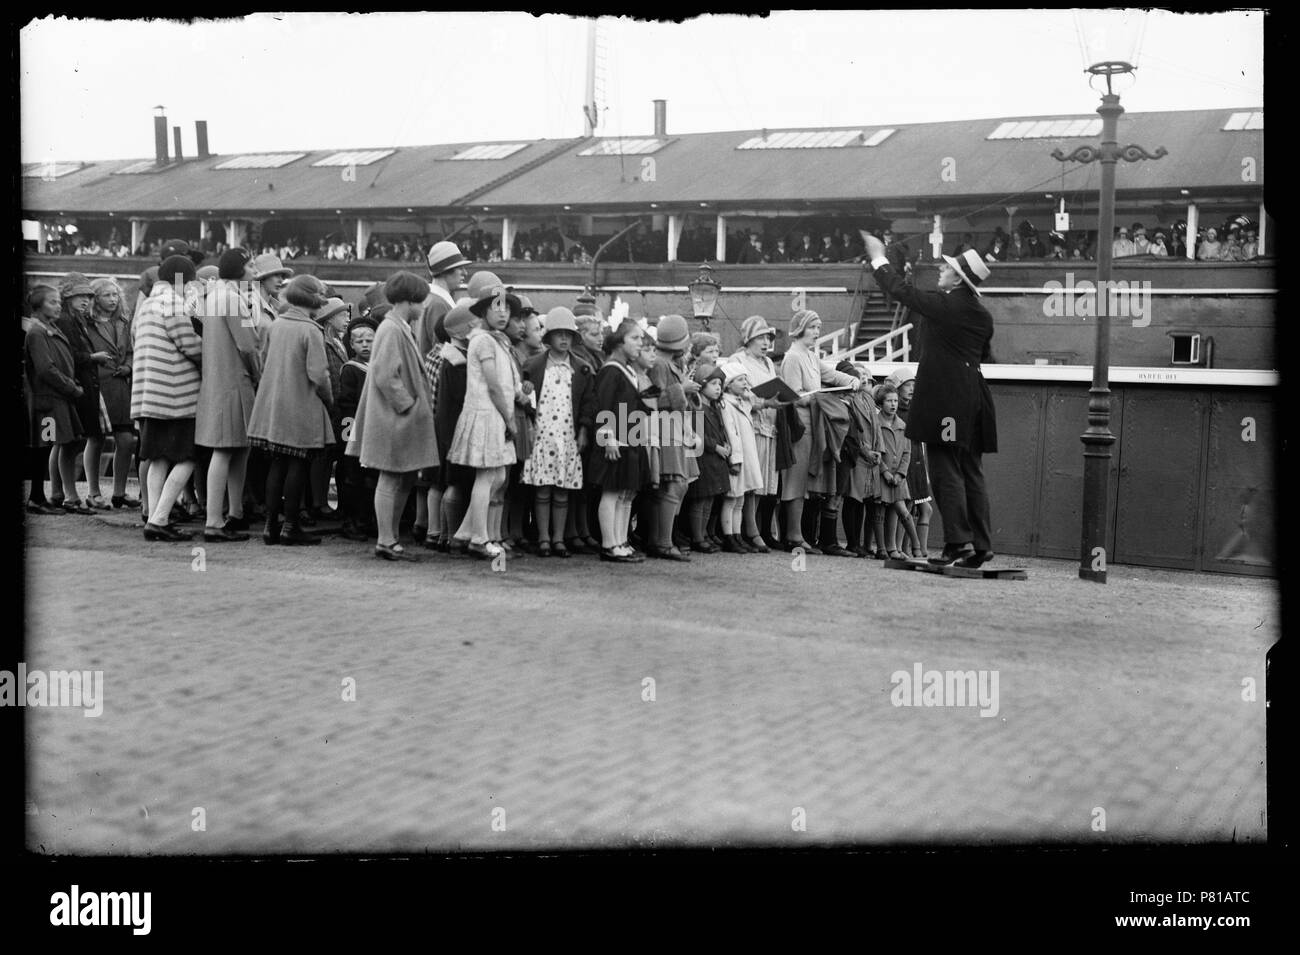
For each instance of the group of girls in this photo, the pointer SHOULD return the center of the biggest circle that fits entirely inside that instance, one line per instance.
(530, 435)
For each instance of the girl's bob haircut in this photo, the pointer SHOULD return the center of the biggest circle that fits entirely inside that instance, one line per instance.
(305, 291)
(406, 287)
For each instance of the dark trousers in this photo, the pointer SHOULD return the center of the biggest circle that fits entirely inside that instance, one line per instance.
(957, 482)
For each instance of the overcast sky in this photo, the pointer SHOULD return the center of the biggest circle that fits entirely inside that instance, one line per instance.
(320, 81)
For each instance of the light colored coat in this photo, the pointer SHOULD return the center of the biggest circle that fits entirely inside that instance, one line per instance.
(232, 367)
(293, 401)
(394, 427)
(744, 450)
(166, 358)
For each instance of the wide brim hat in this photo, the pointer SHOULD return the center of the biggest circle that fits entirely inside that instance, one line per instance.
(560, 319)
(755, 327)
(264, 266)
(970, 267)
(445, 256)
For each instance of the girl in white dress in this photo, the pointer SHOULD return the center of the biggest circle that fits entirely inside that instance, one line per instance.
(484, 437)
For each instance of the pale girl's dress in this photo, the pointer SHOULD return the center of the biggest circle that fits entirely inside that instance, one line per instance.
(480, 437)
(555, 461)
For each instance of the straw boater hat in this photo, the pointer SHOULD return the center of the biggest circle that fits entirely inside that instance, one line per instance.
(445, 256)
(970, 267)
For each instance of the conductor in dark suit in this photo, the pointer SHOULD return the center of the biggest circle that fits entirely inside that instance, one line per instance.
(952, 410)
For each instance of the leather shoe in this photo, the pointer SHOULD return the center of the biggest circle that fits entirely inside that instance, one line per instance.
(835, 550)
(607, 554)
(671, 553)
(152, 532)
(237, 523)
(393, 552)
(293, 535)
(222, 534)
(975, 560)
(757, 545)
(952, 553)
(487, 551)
(704, 547)
(271, 533)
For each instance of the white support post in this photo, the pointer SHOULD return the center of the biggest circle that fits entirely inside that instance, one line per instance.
(674, 236)
(1192, 219)
(40, 237)
(936, 237)
(363, 236)
(720, 252)
(507, 238)
(1263, 228)
(203, 228)
(138, 231)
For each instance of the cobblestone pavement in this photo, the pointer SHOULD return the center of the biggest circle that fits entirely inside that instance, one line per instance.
(507, 710)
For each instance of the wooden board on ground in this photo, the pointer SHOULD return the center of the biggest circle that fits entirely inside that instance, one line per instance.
(986, 572)
(922, 565)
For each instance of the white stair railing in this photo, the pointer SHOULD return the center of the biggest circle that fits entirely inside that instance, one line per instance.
(891, 346)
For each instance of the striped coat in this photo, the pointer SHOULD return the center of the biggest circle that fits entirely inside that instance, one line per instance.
(168, 353)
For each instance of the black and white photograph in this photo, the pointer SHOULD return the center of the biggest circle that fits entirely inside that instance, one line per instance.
(509, 434)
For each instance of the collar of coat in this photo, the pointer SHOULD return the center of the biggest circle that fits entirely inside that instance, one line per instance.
(296, 314)
(53, 331)
(453, 354)
(631, 375)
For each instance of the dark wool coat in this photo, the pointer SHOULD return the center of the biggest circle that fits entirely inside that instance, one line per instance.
(50, 369)
(715, 476)
(87, 373)
(955, 331)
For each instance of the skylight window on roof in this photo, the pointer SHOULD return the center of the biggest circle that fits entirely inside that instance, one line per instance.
(50, 170)
(1240, 121)
(490, 151)
(355, 157)
(1046, 128)
(624, 147)
(816, 139)
(259, 161)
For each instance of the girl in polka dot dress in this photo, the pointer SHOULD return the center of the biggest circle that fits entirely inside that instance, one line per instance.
(566, 399)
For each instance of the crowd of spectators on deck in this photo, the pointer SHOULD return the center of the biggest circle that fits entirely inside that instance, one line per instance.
(1236, 240)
